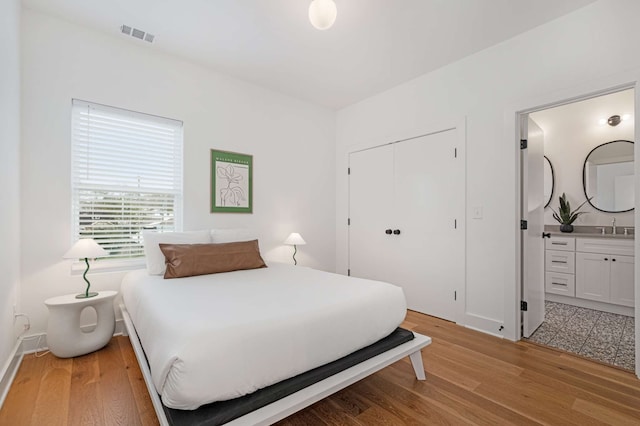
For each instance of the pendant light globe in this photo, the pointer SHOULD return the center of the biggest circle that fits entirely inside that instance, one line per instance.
(322, 13)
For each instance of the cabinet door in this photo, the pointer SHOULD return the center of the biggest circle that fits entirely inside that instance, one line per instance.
(622, 285)
(371, 204)
(592, 276)
(429, 207)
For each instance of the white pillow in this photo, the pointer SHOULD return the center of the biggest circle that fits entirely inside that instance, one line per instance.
(232, 235)
(155, 258)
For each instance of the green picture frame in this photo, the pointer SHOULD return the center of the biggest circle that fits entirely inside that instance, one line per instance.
(231, 182)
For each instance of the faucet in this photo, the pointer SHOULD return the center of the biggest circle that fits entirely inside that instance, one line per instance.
(613, 226)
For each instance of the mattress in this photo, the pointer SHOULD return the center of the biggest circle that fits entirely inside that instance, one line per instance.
(218, 337)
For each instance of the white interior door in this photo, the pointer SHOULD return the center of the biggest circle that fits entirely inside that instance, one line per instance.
(533, 212)
(371, 205)
(429, 213)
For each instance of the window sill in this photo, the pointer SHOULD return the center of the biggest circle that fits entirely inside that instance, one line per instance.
(105, 266)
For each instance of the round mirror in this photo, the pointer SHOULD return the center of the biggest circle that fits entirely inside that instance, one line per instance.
(607, 177)
(549, 182)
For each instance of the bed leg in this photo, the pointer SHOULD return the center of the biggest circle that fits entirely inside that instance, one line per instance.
(418, 368)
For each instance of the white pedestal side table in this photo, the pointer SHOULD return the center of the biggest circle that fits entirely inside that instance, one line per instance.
(64, 336)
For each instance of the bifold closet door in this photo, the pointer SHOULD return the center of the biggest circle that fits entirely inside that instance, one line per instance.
(429, 210)
(371, 206)
(406, 206)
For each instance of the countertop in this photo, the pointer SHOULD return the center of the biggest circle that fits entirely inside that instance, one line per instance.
(592, 232)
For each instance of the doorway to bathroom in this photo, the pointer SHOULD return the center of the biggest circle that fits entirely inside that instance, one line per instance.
(578, 249)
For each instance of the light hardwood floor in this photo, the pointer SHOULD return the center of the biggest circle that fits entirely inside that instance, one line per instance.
(472, 378)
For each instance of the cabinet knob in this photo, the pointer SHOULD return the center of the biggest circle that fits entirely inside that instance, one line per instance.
(606, 258)
(613, 260)
(388, 231)
(546, 235)
(396, 232)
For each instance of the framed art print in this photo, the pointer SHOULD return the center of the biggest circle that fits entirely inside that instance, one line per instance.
(231, 182)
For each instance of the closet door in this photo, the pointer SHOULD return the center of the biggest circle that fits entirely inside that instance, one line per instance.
(371, 203)
(429, 212)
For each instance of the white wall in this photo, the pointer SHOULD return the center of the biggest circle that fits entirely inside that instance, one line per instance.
(292, 143)
(9, 171)
(590, 43)
(570, 133)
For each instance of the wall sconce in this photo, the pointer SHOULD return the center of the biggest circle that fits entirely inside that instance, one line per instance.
(614, 120)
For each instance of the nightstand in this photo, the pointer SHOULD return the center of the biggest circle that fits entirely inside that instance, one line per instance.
(64, 336)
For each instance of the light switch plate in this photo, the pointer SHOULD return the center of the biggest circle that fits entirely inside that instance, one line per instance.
(476, 212)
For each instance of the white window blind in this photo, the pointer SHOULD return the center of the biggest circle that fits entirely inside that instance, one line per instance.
(126, 176)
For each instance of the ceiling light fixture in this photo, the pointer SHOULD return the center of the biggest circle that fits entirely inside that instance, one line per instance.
(322, 13)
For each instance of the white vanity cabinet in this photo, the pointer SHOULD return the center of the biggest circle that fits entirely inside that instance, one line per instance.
(598, 269)
(559, 261)
(604, 270)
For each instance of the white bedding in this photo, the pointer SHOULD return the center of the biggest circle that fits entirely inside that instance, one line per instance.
(216, 337)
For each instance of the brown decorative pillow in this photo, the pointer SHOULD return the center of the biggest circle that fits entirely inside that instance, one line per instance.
(186, 260)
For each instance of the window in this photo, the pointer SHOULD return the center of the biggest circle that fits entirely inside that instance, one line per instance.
(126, 176)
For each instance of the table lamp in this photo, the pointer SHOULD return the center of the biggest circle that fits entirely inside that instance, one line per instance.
(295, 240)
(86, 249)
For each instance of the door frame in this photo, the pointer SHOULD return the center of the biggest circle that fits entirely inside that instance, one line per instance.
(595, 88)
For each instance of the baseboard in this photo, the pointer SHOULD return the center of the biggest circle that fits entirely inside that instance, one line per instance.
(9, 371)
(483, 324)
(590, 304)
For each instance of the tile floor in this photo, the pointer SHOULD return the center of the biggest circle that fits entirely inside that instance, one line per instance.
(602, 336)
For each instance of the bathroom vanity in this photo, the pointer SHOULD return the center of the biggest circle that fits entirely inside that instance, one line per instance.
(591, 270)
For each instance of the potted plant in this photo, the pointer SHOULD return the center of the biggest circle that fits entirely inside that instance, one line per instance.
(565, 216)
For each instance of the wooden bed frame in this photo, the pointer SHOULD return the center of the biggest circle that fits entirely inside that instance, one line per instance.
(286, 406)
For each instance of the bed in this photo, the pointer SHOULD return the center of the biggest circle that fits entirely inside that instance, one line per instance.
(223, 337)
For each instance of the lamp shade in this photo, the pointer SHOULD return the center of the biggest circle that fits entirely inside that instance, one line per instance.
(322, 13)
(85, 248)
(295, 239)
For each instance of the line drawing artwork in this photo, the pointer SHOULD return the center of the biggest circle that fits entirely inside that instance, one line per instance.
(234, 194)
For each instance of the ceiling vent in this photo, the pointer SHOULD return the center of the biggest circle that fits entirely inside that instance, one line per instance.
(139, 34)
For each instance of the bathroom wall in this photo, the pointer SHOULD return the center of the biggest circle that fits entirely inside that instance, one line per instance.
(570, 133)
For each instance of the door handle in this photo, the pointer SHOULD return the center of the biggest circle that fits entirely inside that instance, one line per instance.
(546, 234)
(396, 232)
(388, 231)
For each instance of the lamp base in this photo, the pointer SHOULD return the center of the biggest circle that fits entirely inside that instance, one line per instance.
(84, 295)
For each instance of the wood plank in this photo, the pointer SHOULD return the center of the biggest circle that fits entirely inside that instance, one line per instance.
(328, 412)
(303, 418)
(52, 404)
(136, 381)
(466, 403)
(120, 407)
(411, 408)
(604, 414)
(88, 408)
(21, 399)
(350, 402)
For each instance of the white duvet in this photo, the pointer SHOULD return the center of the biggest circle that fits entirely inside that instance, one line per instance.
(216, 337)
